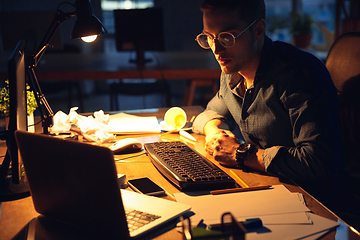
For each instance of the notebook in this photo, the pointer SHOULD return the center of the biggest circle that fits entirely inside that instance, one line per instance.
(77, 183)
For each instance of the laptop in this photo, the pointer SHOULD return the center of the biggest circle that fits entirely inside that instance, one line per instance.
(76, 183)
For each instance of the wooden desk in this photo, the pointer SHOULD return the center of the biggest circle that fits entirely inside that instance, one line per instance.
(16, 215)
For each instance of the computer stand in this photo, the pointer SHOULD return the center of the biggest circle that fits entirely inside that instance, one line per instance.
(140, 59)
(10, 188)
(16, 186)
(14, 191)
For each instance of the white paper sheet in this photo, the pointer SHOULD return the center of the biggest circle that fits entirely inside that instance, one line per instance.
(319, 227)
(123, 123)
(284, 214)
(274, 201)
(286, 218)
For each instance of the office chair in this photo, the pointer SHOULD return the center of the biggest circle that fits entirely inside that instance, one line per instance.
(349, 119)
(343, 61)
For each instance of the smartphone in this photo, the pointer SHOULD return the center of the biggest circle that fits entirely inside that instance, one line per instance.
(146, 186)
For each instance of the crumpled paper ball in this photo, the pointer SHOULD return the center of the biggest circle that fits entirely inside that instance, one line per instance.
(92, 128)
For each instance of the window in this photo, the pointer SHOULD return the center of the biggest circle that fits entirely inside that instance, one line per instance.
(321, 11)
(108, 6)
(277, 15)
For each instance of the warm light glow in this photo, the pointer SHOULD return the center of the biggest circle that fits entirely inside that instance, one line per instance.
(89, 38)
(108, 5)
(354, 230)
(128, 4)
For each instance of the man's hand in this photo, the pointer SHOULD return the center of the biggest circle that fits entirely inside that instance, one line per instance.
(212, 128)
(222, 144)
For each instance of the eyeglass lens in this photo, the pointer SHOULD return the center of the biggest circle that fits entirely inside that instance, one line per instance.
(206, 41)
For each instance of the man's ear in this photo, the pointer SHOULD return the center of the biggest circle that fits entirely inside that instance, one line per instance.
(260, 28)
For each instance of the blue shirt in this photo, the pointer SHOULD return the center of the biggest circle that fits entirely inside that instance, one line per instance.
(290, 112)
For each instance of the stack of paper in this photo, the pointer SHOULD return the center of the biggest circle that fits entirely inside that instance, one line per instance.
(284, 214)
(123, 123)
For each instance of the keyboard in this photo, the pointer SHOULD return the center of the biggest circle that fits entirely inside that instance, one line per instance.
(137, 219)
(186, 168)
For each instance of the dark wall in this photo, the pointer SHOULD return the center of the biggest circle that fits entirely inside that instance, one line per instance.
(47, 8)
(182, 21)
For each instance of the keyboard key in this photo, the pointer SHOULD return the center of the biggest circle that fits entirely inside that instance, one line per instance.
(137, 219)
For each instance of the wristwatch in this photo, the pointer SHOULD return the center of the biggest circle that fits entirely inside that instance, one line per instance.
(242, 151)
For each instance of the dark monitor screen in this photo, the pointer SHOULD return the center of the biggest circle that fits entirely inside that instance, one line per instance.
(139, 30)
(18, 113)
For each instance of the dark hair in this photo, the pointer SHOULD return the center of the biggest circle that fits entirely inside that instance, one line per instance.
(248, 10)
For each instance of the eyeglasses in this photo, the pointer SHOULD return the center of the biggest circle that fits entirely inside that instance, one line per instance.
(225, 38)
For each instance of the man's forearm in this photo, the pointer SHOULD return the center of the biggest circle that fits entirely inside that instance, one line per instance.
(215, 124)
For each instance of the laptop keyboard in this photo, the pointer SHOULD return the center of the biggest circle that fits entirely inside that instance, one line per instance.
(186, 168)
(137, 219)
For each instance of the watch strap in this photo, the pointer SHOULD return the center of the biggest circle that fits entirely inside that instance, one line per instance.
(243, 150)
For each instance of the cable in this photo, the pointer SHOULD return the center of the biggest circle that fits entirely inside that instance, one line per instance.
(35, 124)
(132, 156)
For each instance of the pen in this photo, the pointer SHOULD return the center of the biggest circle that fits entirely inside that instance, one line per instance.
(239, 179)
(233, 190)
(187, 135)
(168, 132)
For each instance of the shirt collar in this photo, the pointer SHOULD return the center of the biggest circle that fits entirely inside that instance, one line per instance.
(234, 80)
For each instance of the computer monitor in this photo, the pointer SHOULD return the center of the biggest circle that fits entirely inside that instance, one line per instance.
(17, 120)
(18, 106)
(139, 30)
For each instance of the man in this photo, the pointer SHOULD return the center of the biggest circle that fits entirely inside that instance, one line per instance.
(281, 99)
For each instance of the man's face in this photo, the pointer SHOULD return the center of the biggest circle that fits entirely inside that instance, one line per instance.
(238, 57)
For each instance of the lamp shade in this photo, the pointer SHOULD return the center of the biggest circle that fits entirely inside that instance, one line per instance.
(87, 23)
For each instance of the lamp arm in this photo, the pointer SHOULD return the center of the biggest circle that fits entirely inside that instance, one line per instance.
(60, 17)
(46, 112)
(32, 61)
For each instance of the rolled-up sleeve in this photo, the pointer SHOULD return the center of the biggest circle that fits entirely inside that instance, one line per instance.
(203, 118)
(269, 154)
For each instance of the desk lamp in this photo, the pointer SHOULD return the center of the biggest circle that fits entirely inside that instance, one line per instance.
(87, 27)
